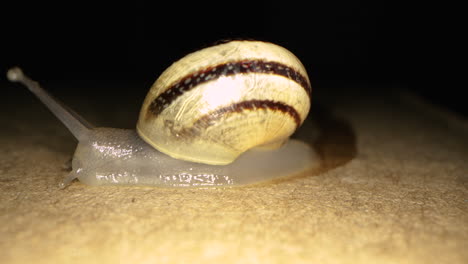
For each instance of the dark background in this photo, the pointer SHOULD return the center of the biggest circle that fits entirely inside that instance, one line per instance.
(345, 44)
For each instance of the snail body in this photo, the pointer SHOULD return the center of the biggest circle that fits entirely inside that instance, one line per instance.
(220, 116)
(113, 156)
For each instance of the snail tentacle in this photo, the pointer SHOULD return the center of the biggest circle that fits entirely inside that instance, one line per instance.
(77, 125)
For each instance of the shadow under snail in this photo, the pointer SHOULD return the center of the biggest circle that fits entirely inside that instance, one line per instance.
(221, 116)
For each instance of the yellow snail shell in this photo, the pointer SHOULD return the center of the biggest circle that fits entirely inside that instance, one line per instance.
(214, 104)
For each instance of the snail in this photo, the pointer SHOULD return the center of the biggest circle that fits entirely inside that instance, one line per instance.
(220, 116)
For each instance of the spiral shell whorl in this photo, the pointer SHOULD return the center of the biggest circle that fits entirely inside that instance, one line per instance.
(214, 104)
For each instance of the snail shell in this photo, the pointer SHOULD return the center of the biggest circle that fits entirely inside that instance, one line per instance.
(216, 103)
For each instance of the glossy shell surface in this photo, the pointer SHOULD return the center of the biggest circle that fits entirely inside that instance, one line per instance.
(216, 103)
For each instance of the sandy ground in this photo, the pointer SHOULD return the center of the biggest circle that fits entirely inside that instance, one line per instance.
(392, 189)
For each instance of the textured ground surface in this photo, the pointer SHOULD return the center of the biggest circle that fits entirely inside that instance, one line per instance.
(392, 189)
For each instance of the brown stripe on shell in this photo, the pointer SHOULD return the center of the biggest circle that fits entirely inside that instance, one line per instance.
(252, 105)
(211, 118)
(190, 81)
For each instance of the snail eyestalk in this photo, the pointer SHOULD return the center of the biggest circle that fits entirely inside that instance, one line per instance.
(75, 123)
(14, 74)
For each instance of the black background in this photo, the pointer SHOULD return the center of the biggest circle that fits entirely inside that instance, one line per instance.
(346, 44)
